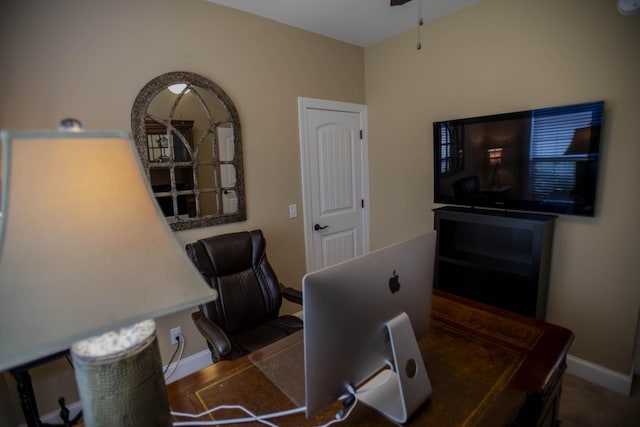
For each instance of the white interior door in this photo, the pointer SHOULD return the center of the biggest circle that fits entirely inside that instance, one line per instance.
(335, 181)
(227, 171)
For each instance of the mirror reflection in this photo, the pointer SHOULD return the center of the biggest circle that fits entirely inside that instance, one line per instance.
(188, 136)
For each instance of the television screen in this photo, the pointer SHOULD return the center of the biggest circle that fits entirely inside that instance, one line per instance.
(543, 160)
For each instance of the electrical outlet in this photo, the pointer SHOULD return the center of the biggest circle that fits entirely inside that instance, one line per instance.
(176, 335)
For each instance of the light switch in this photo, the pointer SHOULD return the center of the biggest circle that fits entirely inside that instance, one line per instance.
(293, 211)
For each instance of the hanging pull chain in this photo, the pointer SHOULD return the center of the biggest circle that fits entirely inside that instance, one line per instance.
(420, 22)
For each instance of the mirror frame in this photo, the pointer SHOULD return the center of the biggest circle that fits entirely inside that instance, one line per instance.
(138, 116)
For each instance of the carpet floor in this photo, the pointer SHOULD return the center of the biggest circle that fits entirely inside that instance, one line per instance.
(583, 404)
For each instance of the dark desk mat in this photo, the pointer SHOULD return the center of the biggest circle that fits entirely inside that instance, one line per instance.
(467, 374)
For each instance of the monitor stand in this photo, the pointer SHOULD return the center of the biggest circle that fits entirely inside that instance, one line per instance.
(400, 396)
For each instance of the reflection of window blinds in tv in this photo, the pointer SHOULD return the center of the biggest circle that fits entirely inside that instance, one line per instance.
(553, 171)
(445, 149)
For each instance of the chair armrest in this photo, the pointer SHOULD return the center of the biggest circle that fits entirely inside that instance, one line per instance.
(216, 338)
(291, 294)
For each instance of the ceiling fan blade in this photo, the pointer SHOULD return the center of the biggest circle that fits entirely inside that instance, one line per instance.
(399, 2)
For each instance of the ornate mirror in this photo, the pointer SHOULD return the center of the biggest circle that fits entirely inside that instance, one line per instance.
(187, 131)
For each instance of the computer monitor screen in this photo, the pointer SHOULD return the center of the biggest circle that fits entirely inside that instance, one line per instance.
(347, 308)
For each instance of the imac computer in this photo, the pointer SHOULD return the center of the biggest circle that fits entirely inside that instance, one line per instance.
(364, 316)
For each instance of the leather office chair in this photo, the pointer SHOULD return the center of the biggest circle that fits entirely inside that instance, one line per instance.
(468, 186)
(467, 190)
(245, 316)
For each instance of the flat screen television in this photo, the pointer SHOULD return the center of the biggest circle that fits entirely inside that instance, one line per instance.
(543, 160)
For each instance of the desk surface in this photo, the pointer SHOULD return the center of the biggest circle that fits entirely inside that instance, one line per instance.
(487, 368)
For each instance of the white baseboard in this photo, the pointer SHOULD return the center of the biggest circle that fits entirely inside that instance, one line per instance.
(189, 365)
(53, 417)
(600, 375)
(186, 366)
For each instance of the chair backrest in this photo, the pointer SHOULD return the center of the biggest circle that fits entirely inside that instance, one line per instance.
(236, 265)
(466, 187)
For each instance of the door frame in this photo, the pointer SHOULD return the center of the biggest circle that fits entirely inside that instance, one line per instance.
(304, 105)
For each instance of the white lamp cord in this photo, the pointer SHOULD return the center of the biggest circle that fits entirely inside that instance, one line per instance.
(173, 367)
(340, 415)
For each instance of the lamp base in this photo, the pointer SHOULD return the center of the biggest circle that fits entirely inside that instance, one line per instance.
(120, 380)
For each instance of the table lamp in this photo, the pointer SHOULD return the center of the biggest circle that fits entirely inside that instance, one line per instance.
(86, 257)
(495, 160)
(581, 142)
(583, 149)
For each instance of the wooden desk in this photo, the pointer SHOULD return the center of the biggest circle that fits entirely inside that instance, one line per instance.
(488, 367)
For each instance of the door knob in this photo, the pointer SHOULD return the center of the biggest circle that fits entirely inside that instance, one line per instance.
(317, 227)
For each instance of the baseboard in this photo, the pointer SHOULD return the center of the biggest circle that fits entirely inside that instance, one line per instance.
(53, 417)
(600, 375)
(186, 366)
(189, 365)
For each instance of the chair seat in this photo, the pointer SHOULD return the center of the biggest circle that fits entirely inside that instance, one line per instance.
(245, 316)
(266, 333)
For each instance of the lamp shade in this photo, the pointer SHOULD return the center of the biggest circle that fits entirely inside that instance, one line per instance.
(495, 156)
(84, 248)
(581, 141)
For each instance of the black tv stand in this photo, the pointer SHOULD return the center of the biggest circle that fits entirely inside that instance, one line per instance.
(497, 257)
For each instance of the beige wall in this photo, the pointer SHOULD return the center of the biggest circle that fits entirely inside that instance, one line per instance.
(88, 59)
(499, 56)
(8, 401)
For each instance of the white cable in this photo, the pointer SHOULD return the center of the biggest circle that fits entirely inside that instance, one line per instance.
(175, 364)
(340, 418)
(340, 415)
(380, 384)
(252, 417)
(217, 408)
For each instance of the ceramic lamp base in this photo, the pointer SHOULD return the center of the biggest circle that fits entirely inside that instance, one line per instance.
(120, 380)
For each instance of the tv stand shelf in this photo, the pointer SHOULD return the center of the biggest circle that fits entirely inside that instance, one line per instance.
(491, 263)
(495, 257)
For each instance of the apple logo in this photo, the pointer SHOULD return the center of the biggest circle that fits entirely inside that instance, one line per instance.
(394, 283)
